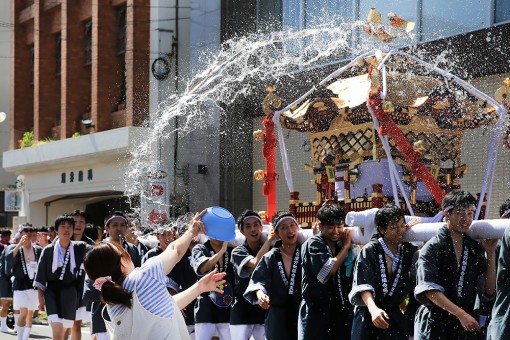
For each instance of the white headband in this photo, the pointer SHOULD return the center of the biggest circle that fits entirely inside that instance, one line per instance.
(284, 219)
(450, 207)
(253, 216)
(116, 216)
(505, 214)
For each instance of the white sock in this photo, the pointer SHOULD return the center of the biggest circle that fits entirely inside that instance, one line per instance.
(26, 333)
(3, 323)
(20, 331)
(16, 317)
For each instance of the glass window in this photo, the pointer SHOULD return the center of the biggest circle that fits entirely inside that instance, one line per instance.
(327, 13)
(405, 9)
(502, 11)
(88, 42)
(121, 29)
(324, 12)
(291, 14)
(292, 21)
(446, 18)
(269, 15)
(58, 53)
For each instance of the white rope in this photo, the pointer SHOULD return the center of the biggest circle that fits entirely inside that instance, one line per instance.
(391, 165)
(285, 159)
(392, 175)
(393, 168)
(492, 156)
(384, 88)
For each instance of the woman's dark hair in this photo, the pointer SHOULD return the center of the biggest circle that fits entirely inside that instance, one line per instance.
(389, 214)
(91, 231)
(245, 214)
(64, 219)
(458, 198)
(104, 259)
(5, 232)
(331, 214)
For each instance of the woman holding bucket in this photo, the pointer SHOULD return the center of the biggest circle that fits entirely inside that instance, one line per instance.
(139, 297)
(212, 313)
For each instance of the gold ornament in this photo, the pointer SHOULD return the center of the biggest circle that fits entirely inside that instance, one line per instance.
(259, 175)
(258, 135)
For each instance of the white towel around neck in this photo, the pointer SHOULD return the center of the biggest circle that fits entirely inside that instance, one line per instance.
(59, 261)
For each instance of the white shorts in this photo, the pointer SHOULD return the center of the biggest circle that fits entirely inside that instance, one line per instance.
(83, 315)
(26, 299)
(101, 336)
(205, 331)
(247, 331)
(191, 331)
(65, 322)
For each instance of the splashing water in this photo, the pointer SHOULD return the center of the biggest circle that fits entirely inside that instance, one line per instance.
(233, 73)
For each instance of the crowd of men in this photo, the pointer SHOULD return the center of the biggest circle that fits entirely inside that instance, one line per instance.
(325, 288)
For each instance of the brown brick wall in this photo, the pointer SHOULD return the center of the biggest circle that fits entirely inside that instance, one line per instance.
(75, 75)
(106, 69)
(56, 103)
(22, 92)
(46, 85)
(137, 61)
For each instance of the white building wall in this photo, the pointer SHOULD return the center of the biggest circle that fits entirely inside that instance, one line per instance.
(46, 196)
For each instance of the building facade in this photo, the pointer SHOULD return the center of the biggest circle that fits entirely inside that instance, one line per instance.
(8, 192)
(203, 163)
(79, 97)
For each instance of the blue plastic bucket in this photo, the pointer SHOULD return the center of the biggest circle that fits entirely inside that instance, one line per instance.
(219, 224)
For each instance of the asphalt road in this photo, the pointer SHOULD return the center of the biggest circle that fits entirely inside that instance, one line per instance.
(44, 332)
